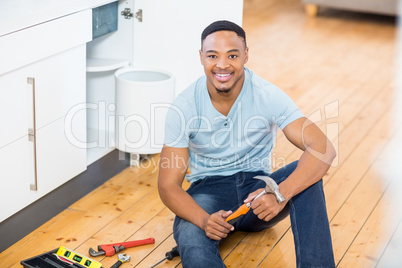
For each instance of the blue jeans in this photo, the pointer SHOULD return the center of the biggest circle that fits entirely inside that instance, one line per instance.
(307, 211)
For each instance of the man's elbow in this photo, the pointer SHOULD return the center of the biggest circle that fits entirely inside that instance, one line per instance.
(163, 191)
(322, 150)
(330, 152)
(163, 185)
(167, 186)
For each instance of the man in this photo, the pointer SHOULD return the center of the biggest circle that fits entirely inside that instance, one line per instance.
(223, 127)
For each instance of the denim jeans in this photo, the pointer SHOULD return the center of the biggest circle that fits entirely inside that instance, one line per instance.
(307, 212)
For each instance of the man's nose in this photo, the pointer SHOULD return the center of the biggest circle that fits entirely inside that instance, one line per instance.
(222, 63)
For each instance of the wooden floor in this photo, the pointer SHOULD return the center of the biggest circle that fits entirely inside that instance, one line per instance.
(338, 67)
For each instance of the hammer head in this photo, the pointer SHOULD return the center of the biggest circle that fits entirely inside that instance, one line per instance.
(124, 257)
(271, 187)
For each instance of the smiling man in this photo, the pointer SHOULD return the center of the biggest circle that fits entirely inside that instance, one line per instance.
(222, 128)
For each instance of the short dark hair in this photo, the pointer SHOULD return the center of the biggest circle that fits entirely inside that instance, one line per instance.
(223, 25)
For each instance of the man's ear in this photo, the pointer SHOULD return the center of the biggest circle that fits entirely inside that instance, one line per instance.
(246, 55)
(201, 56)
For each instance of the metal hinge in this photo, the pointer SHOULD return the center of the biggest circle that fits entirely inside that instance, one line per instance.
(138, 15)
(127, 13)
(31, 134)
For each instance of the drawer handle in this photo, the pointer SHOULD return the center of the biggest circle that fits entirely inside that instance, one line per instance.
(32, 134)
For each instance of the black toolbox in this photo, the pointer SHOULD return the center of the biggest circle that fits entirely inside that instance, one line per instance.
(48, 260)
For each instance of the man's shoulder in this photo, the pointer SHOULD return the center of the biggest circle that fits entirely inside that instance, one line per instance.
(261, 86)
(187, 99)
(193, 89)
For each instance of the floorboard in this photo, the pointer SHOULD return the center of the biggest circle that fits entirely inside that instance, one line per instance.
(338, 67)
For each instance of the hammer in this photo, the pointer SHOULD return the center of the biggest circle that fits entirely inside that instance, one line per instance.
(270, 188)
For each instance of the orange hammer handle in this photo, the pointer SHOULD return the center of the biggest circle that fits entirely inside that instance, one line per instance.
(243, 209)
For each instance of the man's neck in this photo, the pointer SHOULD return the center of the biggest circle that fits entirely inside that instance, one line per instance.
(223, 101)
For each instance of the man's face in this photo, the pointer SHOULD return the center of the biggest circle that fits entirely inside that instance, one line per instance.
(223, 55)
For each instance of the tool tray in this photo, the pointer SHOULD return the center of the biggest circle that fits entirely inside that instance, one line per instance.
(48, 260)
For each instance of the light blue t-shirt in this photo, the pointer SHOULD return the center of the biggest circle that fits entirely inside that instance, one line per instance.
(224, 145)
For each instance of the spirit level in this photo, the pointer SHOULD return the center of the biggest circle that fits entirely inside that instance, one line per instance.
(78, 258)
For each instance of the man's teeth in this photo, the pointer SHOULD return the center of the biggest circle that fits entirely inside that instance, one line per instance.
(222, 75)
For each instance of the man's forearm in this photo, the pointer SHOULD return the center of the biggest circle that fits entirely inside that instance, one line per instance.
(183, 205)
(172, 168)
(315, 161)
(309, 170)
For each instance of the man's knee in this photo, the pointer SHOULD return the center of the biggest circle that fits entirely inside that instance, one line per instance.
(313, 195)
(195, 248)
(186, 233)
(197, 256)
(317, 188)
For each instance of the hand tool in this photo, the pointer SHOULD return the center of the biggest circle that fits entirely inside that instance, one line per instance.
(68, 256)
(122, 259)
(270, 188)
(111, 249)
(169, 256)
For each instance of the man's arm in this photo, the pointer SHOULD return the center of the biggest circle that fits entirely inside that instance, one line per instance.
(314, 162)
(312, 166)
(172, 169)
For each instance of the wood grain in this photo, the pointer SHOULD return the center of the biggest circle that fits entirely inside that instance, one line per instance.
(338, 65)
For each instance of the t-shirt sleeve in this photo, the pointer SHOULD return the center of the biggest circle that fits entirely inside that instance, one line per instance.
(176, 134)
(287, 110)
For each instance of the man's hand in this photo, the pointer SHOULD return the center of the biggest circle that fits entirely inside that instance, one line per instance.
(266, 206)
(216, 228)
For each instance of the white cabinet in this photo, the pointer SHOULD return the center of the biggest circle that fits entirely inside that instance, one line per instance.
(58, 159)
(16, 107)
(60, 84)
(48, 97)
(17, 173)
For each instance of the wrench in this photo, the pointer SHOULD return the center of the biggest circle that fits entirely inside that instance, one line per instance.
(122, 258)
(111, 249)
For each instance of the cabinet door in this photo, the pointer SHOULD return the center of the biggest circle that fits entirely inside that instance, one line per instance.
(59, 156)
(169, 35)
(59, 85)
(59, 94)
(17, 174)
(16, 109)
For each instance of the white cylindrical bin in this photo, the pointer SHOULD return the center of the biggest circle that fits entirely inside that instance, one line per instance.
(143, 97)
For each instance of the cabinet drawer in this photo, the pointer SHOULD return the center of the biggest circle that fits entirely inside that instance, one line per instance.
(34, 43)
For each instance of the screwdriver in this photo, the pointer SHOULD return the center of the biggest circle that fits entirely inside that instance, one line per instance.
(169, 256)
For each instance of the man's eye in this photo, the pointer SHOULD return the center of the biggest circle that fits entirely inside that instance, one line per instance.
(232, 56)
(212, 56)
